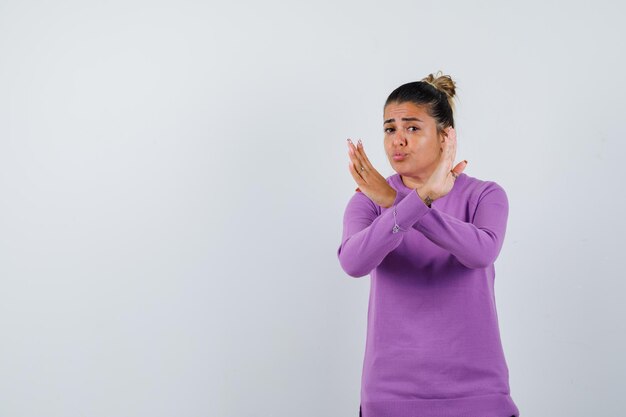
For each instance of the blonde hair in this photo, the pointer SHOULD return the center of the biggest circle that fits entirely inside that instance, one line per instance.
(442, 83)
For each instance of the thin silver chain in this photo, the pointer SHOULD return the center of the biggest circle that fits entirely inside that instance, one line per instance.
(396, 226)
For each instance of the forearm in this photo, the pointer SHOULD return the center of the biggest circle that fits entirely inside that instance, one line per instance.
(472, 246)
(475, 244)
(366, 242)
(365, 250)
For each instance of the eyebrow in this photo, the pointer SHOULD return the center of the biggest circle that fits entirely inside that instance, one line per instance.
(406, 119)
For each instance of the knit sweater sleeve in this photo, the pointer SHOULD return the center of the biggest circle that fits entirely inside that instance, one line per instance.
(475, 244)
(368, 237)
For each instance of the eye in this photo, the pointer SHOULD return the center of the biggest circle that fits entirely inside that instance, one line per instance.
(414, 127)
(389, 130)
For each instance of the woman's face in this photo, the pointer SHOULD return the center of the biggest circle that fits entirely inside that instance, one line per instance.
(411, 141)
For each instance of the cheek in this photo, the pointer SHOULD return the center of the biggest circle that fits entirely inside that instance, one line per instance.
(430, 150)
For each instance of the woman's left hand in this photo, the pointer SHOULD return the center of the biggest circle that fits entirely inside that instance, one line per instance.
(369, 181)
(443, 177)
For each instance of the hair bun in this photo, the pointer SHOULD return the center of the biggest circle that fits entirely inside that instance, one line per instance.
(442, 83)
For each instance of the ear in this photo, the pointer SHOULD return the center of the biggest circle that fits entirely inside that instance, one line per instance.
(444, 133)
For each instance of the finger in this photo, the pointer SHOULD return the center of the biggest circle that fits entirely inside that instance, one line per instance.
(452, 133)
(362, 166)
(355, 174)
(352, 154)
(364, 157)
(460, 167)
(451, 144)
(356, 155)
(448, 154)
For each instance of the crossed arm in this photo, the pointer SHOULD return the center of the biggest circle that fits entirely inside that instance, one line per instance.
(368, 237)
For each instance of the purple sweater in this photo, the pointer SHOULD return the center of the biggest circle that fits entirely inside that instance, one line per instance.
(433, 345)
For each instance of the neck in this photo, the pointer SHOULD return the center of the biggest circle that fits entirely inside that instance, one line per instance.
(414, 181)
(417, 180)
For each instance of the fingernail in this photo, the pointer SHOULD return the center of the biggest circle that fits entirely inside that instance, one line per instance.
(360, 143)
(465, 160)
(349, 140)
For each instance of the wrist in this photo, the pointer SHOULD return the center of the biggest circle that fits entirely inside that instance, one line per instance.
(426, 196)
(392, 198)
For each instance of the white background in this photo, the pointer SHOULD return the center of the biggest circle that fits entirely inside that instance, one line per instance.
(173, 176)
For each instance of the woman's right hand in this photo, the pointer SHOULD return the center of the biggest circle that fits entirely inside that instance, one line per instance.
(441, 180)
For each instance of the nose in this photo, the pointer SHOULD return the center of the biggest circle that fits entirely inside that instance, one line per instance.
(399, 139)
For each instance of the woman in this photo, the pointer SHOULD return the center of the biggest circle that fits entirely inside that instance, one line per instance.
(428, 236)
